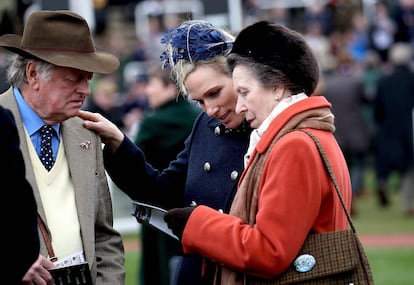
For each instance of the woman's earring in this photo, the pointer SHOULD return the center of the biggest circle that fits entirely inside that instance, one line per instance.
(277, 99)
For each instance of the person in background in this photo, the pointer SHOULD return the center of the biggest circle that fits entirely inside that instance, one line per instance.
(4, 85)
(49, 71)
(285, 191)
(344, 89)
(393, 112)
(402, 13)
(206, 172)
(356, 42)
(105, 100)
(134, 104)
(381, 31)
(161, 136)
(22, 240)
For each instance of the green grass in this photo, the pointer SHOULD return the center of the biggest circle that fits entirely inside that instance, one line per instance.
(392, 266)
(131, 266)
(389, 265)
(372, 219)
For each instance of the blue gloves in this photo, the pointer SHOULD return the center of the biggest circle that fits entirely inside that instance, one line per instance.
(177, 218)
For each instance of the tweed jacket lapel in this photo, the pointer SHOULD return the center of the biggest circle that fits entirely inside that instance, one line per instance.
(81, 163)
(82, 166)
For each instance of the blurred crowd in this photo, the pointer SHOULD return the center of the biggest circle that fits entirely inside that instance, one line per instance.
(365, 55)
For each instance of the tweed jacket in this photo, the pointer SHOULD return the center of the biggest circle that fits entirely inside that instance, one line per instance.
(102, 244)
(206, 172)
(292, 196)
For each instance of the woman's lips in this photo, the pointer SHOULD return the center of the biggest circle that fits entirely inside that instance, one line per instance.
(224, 117)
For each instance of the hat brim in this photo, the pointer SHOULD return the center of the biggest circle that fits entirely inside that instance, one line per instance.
(97, 62)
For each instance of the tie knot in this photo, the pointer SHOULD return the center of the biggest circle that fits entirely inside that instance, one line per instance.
(46, 130)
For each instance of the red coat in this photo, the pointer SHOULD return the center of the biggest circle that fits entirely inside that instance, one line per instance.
(296, 196)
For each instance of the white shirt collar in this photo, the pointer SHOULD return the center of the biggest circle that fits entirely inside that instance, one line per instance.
(257, 133)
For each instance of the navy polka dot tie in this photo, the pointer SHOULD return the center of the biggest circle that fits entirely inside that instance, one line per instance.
(46, 152)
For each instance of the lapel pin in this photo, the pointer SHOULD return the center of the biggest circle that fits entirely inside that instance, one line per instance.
(85, 145)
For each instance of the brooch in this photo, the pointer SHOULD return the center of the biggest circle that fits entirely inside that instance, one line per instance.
(304, 263)
(85, 145)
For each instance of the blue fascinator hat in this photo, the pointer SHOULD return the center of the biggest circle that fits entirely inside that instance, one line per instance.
(194, 40)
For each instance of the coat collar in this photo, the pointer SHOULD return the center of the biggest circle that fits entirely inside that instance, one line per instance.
(278, 123)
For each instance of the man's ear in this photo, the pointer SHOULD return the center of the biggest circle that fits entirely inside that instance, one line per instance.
(32, 75)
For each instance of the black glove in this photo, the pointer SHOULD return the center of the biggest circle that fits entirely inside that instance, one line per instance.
(177, 218)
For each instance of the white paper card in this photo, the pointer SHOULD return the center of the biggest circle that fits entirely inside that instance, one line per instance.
(152, 216)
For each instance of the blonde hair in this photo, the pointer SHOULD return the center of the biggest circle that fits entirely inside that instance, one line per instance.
(184, 67)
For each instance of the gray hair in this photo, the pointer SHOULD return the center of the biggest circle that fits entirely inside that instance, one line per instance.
(16, 72)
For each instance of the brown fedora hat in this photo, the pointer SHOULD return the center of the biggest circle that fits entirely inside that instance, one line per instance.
(61, 38)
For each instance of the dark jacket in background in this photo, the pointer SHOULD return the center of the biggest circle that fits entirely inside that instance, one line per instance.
(393, 109)
(115, 114)
(162, 131)
(345, 91)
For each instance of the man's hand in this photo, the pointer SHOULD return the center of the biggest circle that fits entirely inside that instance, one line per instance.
(38, 273)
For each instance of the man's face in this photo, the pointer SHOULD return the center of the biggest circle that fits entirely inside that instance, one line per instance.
(61, 95)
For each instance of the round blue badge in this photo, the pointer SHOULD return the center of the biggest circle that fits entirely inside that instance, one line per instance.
(304, 263)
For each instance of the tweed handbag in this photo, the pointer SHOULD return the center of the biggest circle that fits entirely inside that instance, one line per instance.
(326, 258)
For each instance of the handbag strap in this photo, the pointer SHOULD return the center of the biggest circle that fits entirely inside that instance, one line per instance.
(46, 237)
(331, 174)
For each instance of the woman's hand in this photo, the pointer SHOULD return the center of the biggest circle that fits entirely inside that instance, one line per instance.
(110, 134)
(177, 218)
